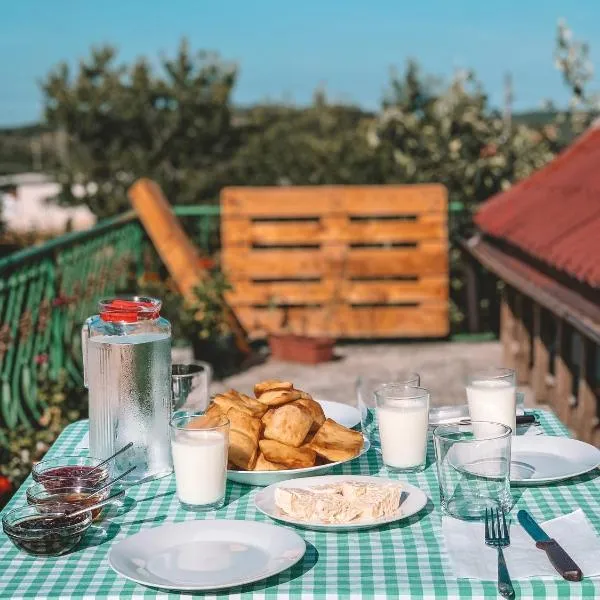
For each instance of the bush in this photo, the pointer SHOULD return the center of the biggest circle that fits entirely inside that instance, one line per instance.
(22, 447)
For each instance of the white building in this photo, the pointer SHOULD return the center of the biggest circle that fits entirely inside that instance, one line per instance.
(25, 206)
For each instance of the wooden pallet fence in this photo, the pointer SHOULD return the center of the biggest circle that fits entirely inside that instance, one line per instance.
(351, 262)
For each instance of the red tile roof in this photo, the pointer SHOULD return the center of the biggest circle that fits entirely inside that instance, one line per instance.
(554, 215)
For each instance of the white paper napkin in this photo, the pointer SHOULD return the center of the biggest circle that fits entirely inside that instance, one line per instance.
(472, 559)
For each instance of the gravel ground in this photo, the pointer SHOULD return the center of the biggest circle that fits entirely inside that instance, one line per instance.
(443, 367)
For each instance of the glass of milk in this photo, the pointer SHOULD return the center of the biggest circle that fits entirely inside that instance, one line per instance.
(365, 397)
(200, 460)
(492, 396)
(403, 420)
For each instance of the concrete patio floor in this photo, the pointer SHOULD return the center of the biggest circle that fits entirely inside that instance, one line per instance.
(443, 367)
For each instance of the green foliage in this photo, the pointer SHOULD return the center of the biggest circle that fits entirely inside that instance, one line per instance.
(22, 447)
(124, 122)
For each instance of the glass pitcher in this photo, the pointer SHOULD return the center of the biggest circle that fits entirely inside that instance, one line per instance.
(127, 370)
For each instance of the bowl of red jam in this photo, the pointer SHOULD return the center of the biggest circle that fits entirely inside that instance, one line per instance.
(45, 534)
(66, 499)
(67, 471)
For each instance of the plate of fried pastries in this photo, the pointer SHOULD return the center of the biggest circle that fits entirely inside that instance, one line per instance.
(281, 433)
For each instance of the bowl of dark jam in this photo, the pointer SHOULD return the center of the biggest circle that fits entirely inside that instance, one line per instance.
(66, 499)
(68, 471)
(45, 534)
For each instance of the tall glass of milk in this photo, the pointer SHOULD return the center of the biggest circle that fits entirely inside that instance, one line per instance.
(403, 420)
(199, 445)
(492, 396)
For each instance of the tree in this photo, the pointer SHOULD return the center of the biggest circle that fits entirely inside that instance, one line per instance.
(127, 122)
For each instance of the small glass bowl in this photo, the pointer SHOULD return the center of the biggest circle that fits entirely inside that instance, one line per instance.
(66, 471)
(44, 534)
(63, 499)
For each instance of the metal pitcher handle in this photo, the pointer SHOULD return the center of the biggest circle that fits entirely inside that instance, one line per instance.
(85, 334)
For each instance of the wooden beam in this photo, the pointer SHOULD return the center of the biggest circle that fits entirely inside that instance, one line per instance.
(507, 328)
(523, 339)
(562, 396)
(175, 249)
(586, 412)
(541, 355)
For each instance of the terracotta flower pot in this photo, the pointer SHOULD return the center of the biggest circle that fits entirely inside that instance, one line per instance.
(302, 349)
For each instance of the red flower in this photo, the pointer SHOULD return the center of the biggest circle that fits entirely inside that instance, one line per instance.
(5, 485)
(41, 359)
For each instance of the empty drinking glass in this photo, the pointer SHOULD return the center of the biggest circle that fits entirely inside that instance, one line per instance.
(191, 386)
(473, 466)
(365, 395)
(492, 396)
(403, 420)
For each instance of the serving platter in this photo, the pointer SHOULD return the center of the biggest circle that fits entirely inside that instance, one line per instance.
(413, 500)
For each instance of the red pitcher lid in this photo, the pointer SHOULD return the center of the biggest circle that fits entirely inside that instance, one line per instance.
(129, 309)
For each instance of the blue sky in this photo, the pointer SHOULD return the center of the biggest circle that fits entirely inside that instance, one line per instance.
(287, 49)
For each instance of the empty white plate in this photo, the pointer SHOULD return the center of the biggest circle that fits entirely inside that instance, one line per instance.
(206, 555)
(348, 416)
(411, 504)
(547, 458)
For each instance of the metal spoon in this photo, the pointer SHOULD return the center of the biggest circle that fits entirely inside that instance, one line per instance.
(126, 447)
(110, 483)
(81, 511)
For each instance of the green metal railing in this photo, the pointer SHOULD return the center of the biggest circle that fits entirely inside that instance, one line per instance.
(46, 292)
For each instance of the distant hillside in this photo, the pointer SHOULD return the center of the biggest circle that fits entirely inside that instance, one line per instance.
(32, 147)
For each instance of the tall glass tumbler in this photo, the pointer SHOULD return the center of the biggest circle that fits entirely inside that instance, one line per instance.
(190, 385)
(200, 448)
(365, 396)
(403, 422)
(492, 396)
(473, 466)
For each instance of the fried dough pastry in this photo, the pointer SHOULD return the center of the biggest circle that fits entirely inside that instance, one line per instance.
(315, 410)
(211, 418)
(272, 384)
(243, 451)
(290, 458)
(244, 423)
(336, 442)
(262, 464)
(233, 399)
(289, 425)
(278, 397)
(266, 418)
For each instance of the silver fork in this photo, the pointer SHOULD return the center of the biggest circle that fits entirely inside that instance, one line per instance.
(497, 536)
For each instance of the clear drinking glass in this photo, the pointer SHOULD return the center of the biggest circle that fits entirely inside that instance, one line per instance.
(365, 396)
(473, 466)
(492, 396)
(403, 421)
(191, 384)
(199, 445)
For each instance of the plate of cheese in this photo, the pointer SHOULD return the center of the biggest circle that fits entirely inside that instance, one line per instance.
(340, 502)
(281, 433)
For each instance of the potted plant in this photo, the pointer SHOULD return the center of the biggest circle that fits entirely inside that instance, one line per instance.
(302, 347)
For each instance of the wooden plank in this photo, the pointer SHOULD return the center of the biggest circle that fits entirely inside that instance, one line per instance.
(248, 293)
(241, 231)
(562, 397)
(541, 356)
(298, 201)
(429, 258)
(350, 322)
(523, 339)
(585, 418)
(174, 247)
(507, 329)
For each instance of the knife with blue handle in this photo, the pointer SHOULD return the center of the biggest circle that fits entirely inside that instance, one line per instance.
(560, 560)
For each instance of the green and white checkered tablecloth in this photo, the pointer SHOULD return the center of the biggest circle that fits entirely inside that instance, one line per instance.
(403, 560)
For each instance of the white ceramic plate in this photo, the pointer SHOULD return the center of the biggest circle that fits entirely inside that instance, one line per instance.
(206, 555)
(265, 502)
(546, 458)
(348, 416)
(264, 478)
